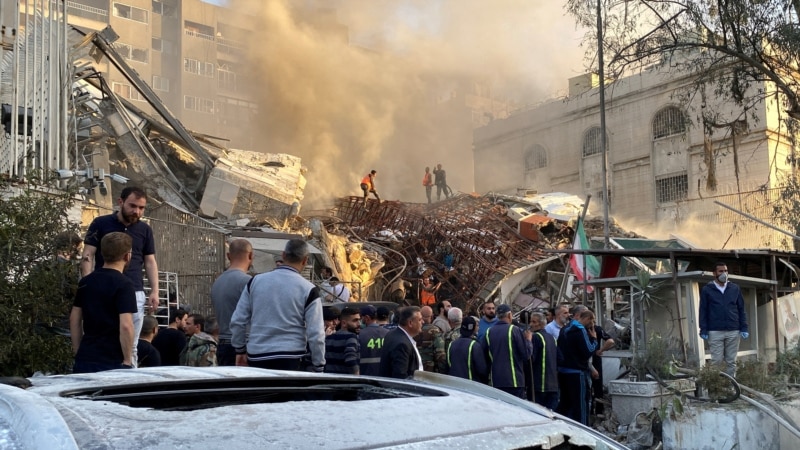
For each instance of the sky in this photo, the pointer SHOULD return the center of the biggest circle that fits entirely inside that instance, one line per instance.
(355, 85)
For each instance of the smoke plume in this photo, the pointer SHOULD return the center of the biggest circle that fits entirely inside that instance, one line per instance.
(351, 86)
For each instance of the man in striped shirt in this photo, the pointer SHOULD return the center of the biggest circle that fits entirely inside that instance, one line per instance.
(342, 350)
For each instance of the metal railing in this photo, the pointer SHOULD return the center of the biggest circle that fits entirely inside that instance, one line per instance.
(88, 12)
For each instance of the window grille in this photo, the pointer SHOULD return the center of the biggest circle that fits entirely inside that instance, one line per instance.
(672, 188)
(536, 158)
(226, 79)
(668, 122)
(592, 144)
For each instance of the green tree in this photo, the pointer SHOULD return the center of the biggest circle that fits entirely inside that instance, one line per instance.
(35, 287)
(732, 44)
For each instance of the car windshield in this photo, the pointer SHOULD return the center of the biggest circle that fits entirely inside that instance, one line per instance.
(202, 394)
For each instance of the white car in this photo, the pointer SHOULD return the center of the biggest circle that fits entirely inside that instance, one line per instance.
(249, 408)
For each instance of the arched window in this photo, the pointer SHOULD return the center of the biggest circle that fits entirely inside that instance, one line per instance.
(668, 122)
(535, 158)
(592, 142)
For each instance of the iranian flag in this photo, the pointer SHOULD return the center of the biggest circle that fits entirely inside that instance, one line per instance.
(576, 260)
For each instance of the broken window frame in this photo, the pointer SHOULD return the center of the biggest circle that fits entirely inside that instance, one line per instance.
(127, 91)
(129, 12)
(132, 53)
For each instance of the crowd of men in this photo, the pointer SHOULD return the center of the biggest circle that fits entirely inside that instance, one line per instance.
(276, 320)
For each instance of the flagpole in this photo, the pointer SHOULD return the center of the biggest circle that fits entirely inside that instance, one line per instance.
(561, 291)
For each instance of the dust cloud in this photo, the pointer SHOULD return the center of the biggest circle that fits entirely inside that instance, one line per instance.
(351, 86)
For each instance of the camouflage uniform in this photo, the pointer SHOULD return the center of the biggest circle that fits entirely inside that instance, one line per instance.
(452, 335)
(430, 344)
(201, 351)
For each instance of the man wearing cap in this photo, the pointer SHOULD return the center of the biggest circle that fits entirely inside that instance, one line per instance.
(466, 357)
(371, 340)
(508, 348)
(399, 356)
(342, 352)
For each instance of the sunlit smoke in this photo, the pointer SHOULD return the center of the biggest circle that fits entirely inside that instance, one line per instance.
(351, 86)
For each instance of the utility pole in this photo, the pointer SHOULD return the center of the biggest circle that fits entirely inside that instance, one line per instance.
(603, 140)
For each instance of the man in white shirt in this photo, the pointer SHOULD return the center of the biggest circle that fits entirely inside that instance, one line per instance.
(337, 292)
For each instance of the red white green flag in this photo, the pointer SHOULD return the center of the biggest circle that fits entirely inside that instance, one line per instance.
(576, 260)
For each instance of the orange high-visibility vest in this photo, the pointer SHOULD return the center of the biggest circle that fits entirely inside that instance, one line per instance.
(368, 181)
(426, 180)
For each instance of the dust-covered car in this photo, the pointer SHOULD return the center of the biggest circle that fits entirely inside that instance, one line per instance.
(249, 408)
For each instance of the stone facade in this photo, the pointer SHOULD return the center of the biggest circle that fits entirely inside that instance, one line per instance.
(663, 169)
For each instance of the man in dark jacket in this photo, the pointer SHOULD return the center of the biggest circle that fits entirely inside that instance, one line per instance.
(466, 357)
(544, 363)
(576, 343)
(508, 348)
(722, 318)
(399, 356)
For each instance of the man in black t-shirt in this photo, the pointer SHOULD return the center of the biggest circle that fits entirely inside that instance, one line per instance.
(170, 341)
(101, 320)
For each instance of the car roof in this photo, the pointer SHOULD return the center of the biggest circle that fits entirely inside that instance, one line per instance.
(241, 407)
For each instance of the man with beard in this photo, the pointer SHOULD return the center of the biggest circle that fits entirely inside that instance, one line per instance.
(132, 202)
(342, 350)
(488, 318)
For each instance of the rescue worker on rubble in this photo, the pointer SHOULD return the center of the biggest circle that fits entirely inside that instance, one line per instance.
(368, 185)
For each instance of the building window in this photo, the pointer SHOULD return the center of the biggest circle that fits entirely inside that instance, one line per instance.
(162, 45)
(535, 158)
(672, 188)
(160, 83)
(592, 144)
(200, 104)
(132, 53)
(198, 67)
(131, 12)
(226, 79)
(164, 8)
(127, 91)
(668, 122)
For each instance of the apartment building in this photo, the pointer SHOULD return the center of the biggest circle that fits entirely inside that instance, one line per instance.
(191, 52)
